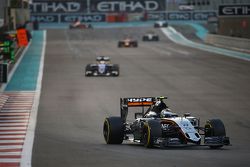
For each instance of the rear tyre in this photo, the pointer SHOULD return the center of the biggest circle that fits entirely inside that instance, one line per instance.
(215, 128)
(135, 44)
(119, 44)
(156, 25)
(113, 130)
(87, 68)
(116, 68)
(156, 38)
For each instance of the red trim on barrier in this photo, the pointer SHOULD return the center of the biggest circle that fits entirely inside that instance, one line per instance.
(5, 164)
(11, 150)
(10, 156)
(21, 138)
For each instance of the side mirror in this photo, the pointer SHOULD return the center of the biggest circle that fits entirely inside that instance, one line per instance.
(138, 115)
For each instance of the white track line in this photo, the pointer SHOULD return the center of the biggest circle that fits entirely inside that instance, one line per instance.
(13, 128)
(11, 147)
(13, 132)
(10, 160)
(22, 121)
(11, 141)
(12, 136)
(11, 153)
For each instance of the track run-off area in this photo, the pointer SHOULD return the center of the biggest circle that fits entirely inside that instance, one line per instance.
(68, 108)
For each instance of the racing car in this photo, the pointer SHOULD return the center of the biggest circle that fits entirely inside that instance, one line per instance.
(150, 36)
(102, 67)
(159, 126)
(81, 26)
(127, 42)
(159, 24)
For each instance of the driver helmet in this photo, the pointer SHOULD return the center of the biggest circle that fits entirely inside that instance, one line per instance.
(159, 106)
(167, 113)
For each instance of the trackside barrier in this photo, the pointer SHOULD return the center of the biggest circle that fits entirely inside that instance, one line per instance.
(198, 16)
(229, 42)
(116, 17)
(111, 18)
(135, 16)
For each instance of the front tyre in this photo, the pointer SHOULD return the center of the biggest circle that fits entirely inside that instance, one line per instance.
(147, 137)
(151, 131)
(215, 128)
(113, 130)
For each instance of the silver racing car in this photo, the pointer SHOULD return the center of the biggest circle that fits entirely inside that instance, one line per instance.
(159, 126)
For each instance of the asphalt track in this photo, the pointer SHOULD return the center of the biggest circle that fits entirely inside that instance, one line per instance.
(72, 107)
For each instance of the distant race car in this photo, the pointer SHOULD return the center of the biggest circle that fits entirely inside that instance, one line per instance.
(150, 36)
(128, 42)
(102, 67)
(159, 24)
(81, 26)
(158, 126)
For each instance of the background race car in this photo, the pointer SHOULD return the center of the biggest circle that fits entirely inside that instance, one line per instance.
(158, 126)
(102, 67)
(81, 26)
(160, 24)
(150, 36)
(127, 42)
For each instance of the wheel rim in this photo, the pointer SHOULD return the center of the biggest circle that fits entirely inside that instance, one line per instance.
(106, 131)
(146, 137)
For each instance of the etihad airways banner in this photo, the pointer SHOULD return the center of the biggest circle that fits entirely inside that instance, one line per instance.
(234, 10)
(127, 5)
(62, 11)
(99, 6)
(73, 6)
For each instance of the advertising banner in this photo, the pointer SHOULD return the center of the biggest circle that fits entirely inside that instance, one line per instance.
(204, 15)
(179, 16)
(156, 16)
(83, 18)
(106, 6)
(234, 10)
(48, 18)
(73, 6)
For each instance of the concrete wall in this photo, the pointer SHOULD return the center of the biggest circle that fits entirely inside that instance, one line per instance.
(229, 42)
(234, 26)
(3, 4)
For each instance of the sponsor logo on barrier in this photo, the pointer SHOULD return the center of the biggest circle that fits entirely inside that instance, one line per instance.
(156, 16)
(234, 10)
(186, 7)
(83, 18)
(127, 5)
(45, 18)
(179, 16)
(57, 7)
(203, 15)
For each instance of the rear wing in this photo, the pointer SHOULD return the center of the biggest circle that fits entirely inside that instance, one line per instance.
(125, 103)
